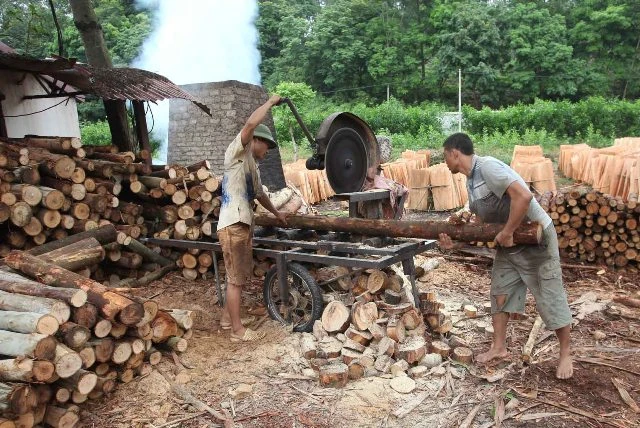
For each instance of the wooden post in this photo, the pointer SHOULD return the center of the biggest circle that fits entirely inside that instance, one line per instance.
(141, 128)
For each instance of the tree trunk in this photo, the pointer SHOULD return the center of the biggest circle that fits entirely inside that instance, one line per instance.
(104, 234)
(77, 255)
(39, 305)
(110, 304)
(13, 283)
(33, 345)
(28, 322)
(525, 234)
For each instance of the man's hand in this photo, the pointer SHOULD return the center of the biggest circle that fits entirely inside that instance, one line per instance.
(445, 242)
(282, 217)
(275, 100)
(504, 239)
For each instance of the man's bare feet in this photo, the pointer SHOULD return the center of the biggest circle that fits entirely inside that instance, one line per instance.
(565, 367)
(492, 354)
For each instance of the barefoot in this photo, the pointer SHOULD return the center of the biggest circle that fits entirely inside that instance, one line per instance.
(565, 368)
(492, 354)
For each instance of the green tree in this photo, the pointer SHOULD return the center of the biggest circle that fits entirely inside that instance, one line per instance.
(301, 95)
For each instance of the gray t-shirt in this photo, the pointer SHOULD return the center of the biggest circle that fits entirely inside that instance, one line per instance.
(487, 187)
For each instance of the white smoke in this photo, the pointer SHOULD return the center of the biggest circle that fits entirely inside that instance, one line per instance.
(199, 41)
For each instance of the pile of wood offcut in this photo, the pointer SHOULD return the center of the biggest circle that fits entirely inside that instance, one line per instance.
(596, 228)
(534, 168)
(66, 339)
(375, 330)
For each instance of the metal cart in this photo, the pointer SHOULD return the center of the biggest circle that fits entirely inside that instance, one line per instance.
(303, 302)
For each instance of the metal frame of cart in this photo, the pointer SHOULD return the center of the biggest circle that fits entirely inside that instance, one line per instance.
(306, 251)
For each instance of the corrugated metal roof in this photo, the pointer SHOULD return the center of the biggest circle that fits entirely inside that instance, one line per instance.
(107, 83)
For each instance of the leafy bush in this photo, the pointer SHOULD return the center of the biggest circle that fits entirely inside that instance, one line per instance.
(95, 133)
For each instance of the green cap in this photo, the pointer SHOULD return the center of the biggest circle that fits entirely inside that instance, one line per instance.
(263, 132)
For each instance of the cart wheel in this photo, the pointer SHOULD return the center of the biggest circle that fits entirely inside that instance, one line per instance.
(305, 297)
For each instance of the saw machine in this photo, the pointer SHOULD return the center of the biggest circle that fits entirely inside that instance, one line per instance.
(345, 146)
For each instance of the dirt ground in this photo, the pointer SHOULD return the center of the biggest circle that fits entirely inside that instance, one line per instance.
(280, 396)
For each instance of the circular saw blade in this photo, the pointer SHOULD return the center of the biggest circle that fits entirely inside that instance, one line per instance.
(346, 161)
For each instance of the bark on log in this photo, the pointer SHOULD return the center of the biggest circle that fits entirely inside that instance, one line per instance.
(412, 350)
(110, 304)
(104, 234)
(28, 322)
(33, 345)
(13, 283)
(41, 305)
(76, 255)
(334, 375)
(74, 335)
(147, 254)
(525, 234)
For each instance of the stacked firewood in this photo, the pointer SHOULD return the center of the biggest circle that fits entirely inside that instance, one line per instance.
(66, 338)
(375, 330)
(51, 188)
(597, 228)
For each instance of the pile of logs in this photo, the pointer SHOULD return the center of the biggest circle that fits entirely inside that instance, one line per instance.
(65, 338)
(51, 188)
(375, 330)
(596, 228)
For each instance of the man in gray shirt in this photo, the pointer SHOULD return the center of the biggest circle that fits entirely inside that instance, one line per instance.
(497, 194)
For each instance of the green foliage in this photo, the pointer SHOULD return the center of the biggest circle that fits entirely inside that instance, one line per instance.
(95, 133)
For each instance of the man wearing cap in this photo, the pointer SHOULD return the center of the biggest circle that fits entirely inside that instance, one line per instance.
(497, 194)
(240, 186)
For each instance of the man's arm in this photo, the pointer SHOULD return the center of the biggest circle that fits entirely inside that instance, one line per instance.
(266, 202)
(520, 200)
(256, 118)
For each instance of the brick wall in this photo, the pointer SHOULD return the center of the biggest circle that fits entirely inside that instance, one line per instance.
(194, 136)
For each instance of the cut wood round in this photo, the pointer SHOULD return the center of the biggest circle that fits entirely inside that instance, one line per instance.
(51, 198)
(189, 261)
(361, 337)
(412, 350)
(21, 214)
(356, 370)
(470, 311)
(395, 329)
(74, 335)
(17, 398)
(33, 345)
(153, 356)
(11, 282)
(27, 193)
(177, 344)
(386, 346)
(88, 356)
(308, 346)
(377, 331)
(103, 349)
(329, 347)
(350, 355)
(118, 330)
(392, 297)
(335, 317)
(383, 363)
(62, 394)
(463, 355)
(163, 326)
(431, 360)
(394, 309)
(363, 315)
(121, 352)
(376, 281)
(59, 417)
(439, 347)
(352, 344)
(34, 227)
(412, 319)
(67, 361)
(334, 375)
(28, 322)
(403, 384)
(82, 381)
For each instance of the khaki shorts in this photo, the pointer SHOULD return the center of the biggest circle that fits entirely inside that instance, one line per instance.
(536, 267)
(236, 242)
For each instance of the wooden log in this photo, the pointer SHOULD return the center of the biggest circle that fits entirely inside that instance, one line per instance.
(59, 417)
(525, 234)
(102, 328)
(21, 214)
(376, 281)
(335, 375)
(439, 347)
(463, 355)
(363, 315)
(395, 329)
(412, 350)
(88, 356)
(103, 349)
(183, 318)
(121, 352)
(104, 235)
(28, 322)
(76, 255)
(17, 398)
(392, 297)
(25, 370)
(361, 337)
(33, 345)
(110, 304)
(74, 335)
(67, 361)
(28, 174)
(147, 254)
(86, 315)
(62, 394)
(82, 381)
(40, 305)
(163, 326)
(335, 317)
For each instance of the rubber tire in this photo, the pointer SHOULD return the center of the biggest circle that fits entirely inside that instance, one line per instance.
(316, 295)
